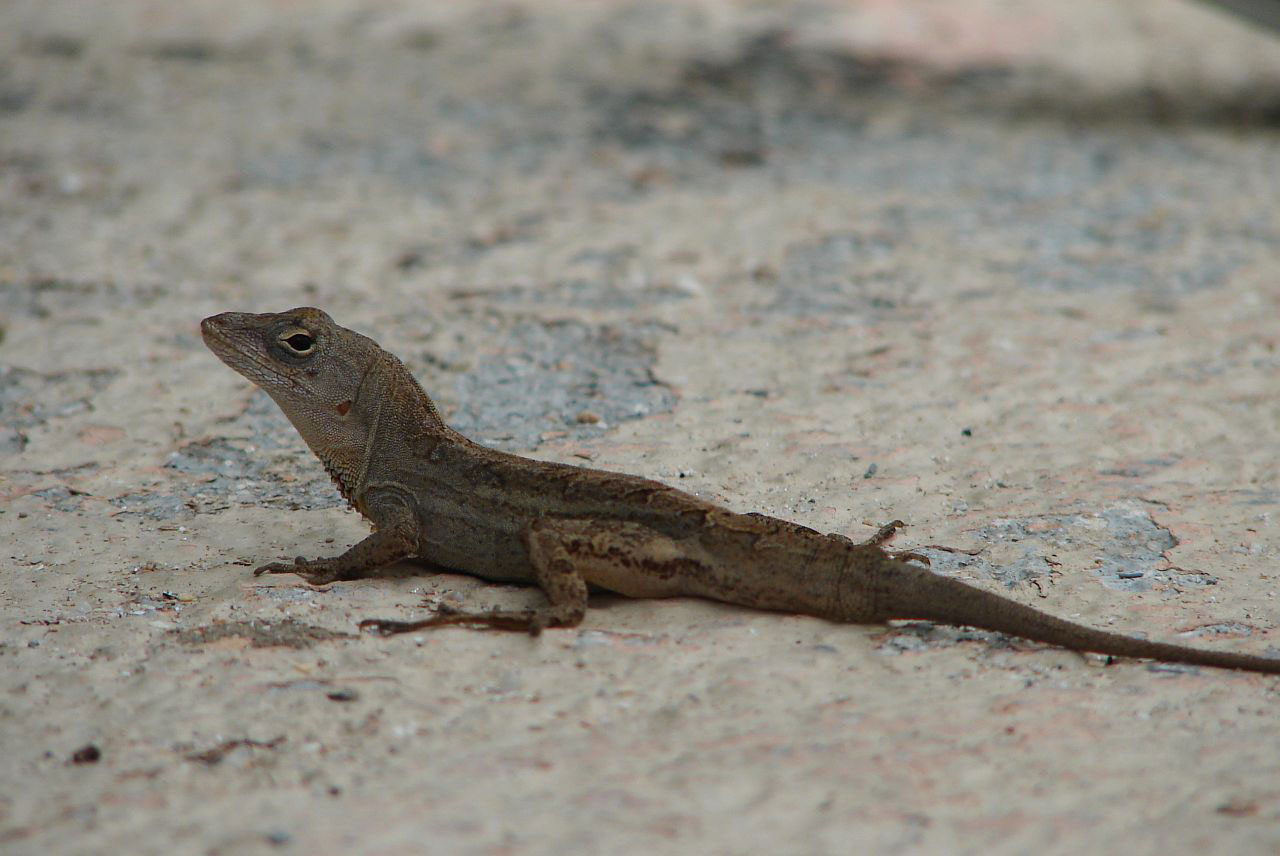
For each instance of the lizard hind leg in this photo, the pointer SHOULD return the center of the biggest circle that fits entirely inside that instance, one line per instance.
(555, 574)
(882, 536)
(886, 533)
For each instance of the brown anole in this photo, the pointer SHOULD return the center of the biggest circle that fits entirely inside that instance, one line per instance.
(435, 496)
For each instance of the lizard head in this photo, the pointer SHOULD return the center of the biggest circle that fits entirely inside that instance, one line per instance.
(312, 367)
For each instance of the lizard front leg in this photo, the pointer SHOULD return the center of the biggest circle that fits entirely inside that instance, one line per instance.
(395, 537)
(554, 571)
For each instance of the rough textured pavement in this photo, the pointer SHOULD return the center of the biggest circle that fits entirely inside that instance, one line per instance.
(1005, 270)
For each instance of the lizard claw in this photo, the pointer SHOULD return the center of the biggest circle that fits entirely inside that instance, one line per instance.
(318, 572)
(884, 534)
(381, 627)
(527, 620)
(275, 568)
(389, 627)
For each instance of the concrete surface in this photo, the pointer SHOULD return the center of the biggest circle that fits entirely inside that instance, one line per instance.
(1006, 270)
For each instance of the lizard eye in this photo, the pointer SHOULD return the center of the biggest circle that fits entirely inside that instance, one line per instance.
(299, 343)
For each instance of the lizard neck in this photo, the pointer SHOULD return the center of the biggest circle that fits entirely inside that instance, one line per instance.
(411, 397)
(397, 416)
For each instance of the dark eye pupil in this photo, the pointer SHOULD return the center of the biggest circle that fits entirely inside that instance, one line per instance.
(299, 342)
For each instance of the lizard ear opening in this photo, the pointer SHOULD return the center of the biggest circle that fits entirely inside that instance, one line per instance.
(344, 407)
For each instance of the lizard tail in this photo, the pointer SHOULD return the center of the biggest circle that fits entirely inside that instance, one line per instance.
(908, 592)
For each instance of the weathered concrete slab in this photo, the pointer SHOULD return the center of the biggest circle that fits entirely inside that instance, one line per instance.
(1007, 271)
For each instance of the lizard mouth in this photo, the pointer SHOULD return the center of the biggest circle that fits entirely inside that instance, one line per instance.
(246, 360)
(223, 346)
(214, 332)
(211, 332)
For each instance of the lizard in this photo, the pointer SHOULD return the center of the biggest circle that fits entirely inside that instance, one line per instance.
(435, 496)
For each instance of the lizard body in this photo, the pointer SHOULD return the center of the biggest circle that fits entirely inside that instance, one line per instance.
(435, 496)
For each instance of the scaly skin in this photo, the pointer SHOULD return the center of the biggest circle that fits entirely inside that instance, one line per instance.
(435, 496)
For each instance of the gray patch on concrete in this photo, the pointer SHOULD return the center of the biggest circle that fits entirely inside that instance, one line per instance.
(1231, 628)
(1130, 549)
(159, 506)
(219, 473)
(1118, 243)
(62, 498)
(1030, 566)
(15, 99)
(1139, 469)
(841, 273)
(770, 95)
(286, 633)
(57, 45)
(613, 278)
(1252, 495)
(12, 441)
(249, 476)
(548, 374)
(29, 397)
(44, 297)
(1064, 218)
(190, 50)
(271, 467)
(583, 293)
(317, 156)
(919, 636)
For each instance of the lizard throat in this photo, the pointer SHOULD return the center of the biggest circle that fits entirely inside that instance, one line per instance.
(343, 473)
(347, 467)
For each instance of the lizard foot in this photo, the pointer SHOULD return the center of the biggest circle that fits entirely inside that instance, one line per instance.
(908, 556)
(886, 532)
(883, 534)
(318, 572)
(527, 621)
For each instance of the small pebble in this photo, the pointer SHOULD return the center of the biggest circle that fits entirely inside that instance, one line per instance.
(86, 755)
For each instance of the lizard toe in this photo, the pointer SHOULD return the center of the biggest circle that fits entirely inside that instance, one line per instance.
(275, 568)
(387, 627)
(318, 575)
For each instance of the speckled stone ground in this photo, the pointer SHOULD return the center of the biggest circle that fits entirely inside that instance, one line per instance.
(1005, 270)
